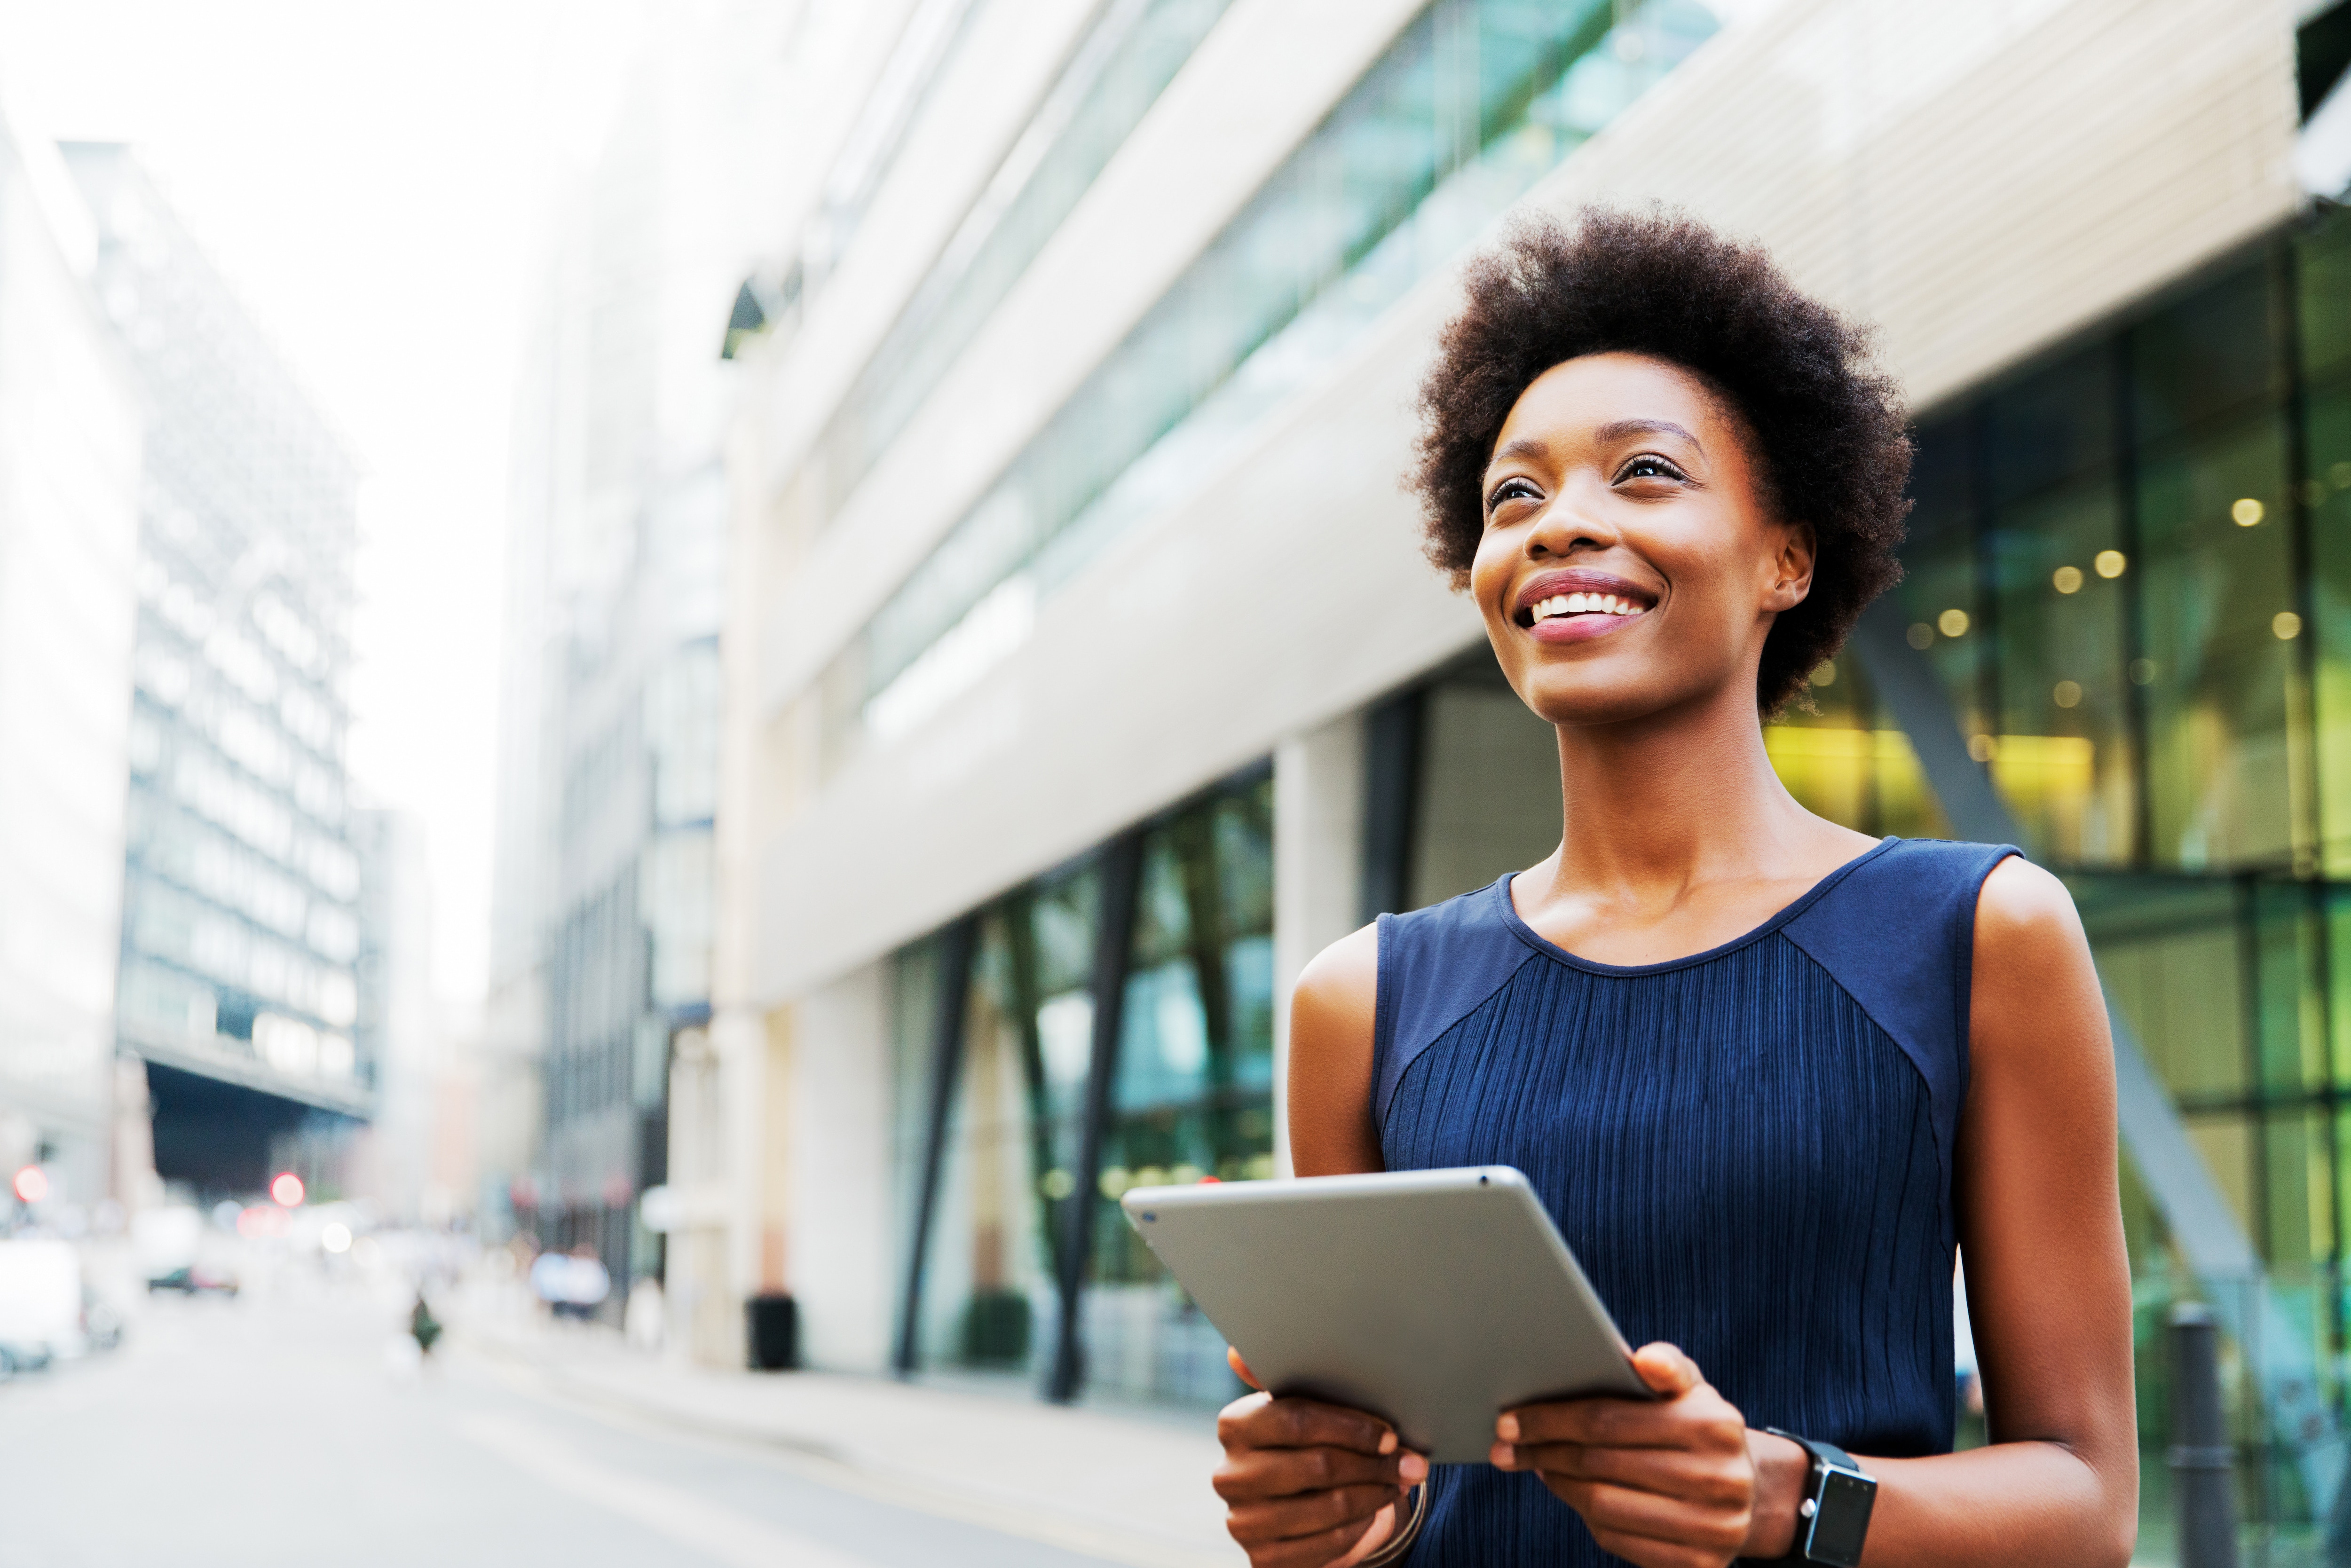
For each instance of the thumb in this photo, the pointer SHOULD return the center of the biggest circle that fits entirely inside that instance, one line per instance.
(1665, 1369)
(1240, 1368)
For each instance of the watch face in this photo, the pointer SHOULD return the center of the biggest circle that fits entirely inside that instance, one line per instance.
(1842, 1519)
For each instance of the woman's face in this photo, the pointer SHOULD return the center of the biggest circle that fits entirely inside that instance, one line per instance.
(1628, 565)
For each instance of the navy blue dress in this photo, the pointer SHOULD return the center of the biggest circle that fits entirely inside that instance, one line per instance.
(1748, 1149)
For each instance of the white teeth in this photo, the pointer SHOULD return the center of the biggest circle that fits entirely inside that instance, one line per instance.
(1583, 605)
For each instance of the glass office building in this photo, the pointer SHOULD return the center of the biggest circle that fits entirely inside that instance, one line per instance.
(240, 919)
(1085, 597)
(1474, 102)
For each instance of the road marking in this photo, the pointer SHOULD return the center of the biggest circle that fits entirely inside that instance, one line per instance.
(719, 1533)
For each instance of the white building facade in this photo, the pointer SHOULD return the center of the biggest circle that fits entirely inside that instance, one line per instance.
(70, 420)
(1083, 675)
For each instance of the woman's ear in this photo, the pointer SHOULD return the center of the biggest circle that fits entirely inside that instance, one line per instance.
(1791, 568)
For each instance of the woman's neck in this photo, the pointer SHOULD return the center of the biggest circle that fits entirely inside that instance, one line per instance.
(1680, 799)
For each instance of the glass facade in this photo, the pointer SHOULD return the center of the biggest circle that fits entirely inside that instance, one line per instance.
(2128, 566)
(1189, 1094)
(628, 964)
(1474, 102)
(240, 919)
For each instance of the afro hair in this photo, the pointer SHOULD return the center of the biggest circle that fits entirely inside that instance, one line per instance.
(1826, 425)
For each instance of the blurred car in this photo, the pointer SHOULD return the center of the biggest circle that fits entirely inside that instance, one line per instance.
(41, 1301)
(194, 1279)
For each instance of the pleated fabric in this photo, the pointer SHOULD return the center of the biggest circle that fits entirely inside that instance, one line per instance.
(1748, 1149)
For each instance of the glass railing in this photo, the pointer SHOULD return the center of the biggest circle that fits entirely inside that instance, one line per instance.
(1475, 102)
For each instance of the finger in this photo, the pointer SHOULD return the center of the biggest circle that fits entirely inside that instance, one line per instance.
(1253, 1475)
(1287, 1519)
(1260, 1421)
(1708, 1480)
(1314, 1550)
(1240, 1368)
(1645, 1516)
(1699, 1419)
(1645, 1553)
(1665, 1369)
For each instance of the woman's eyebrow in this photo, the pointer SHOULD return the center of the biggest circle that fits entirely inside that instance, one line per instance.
(1619, 430)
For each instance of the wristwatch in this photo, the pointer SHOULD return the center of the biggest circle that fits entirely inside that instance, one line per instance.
(1833, 1517)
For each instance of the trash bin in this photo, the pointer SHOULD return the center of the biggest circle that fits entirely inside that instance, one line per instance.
(773, 1325)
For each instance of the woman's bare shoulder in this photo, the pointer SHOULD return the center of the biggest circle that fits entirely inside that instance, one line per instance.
(1345, 975)
(2035, 1001)
(1331, 1014)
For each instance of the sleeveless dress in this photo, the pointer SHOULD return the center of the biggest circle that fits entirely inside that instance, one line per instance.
(1750, 1149)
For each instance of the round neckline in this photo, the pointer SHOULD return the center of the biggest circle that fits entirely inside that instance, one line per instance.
(1527, 933)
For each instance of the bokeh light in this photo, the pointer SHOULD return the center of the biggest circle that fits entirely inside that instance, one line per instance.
(287, 1190)
(31, 1184)
(261, 1222)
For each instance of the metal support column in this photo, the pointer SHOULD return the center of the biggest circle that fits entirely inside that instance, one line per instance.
(956, 944)
(2203, 1478)
(2194, 1208)
(1119, 879)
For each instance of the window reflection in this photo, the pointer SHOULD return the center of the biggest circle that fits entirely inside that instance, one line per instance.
(2221, 789)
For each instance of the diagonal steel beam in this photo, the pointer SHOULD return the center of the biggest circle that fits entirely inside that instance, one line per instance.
(2198, 1212)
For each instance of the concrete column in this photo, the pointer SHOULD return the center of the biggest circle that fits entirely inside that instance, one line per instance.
(739, 1043)
(845, 1237)
(1318, 869)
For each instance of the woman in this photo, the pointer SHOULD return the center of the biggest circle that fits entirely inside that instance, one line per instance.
(1766, 1072)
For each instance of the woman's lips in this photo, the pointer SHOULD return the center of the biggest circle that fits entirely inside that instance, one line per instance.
(1581, 628)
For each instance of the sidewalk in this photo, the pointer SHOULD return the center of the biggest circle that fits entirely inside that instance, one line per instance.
(1127, 1489)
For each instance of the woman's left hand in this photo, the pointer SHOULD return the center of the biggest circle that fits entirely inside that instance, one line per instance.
(1668, 1484)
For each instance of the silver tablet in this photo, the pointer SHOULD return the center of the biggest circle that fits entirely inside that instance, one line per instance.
(1435, 1298)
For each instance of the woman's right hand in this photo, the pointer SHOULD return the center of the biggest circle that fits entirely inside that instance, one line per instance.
(1309, 1484)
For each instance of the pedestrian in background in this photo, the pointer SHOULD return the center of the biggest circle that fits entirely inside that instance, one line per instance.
(423, 1326)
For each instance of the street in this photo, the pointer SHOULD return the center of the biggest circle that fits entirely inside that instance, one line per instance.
(287, 1430)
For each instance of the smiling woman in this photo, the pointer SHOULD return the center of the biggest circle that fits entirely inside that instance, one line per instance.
(1768, 1075)
(1782, 373)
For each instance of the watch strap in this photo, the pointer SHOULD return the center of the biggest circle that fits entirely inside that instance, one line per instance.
(1822, 1453)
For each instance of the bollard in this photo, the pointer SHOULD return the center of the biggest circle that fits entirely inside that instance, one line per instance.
(2203, 1476)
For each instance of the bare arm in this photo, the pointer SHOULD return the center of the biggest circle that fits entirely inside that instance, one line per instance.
(1307, 1484)
(1331, 1017)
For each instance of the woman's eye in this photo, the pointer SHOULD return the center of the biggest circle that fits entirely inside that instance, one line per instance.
(1512, 490)
(1649, 466)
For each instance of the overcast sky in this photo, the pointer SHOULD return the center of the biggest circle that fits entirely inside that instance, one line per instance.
(371, 179)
